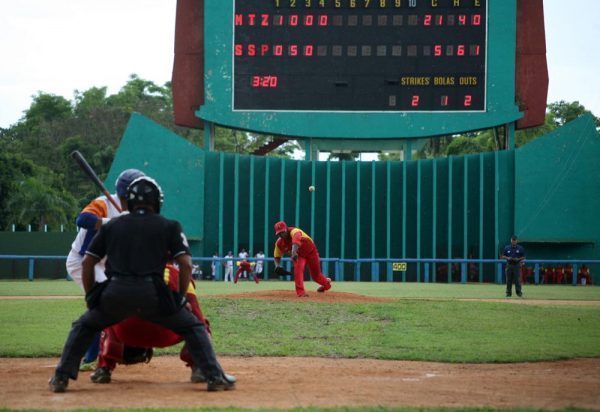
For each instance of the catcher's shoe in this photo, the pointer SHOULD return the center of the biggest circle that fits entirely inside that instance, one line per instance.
(197, 376)
(325, 287)
(101, 375)
(225, 382)
(58, 383)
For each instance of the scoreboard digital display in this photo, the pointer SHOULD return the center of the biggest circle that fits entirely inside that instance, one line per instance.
(360, 55)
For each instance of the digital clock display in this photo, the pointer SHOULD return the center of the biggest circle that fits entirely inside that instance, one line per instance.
(359, 55)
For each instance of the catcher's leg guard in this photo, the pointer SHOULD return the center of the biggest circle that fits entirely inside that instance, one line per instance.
(186, 356)
(111, 350)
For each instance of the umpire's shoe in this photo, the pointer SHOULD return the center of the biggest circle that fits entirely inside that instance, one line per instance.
(101, 375)
(225, 382)
(197, 376)
(58, 383)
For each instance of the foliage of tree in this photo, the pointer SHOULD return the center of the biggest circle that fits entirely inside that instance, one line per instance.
(39, 183)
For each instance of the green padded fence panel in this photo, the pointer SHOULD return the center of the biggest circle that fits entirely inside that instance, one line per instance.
(558, 186)
(456, 207)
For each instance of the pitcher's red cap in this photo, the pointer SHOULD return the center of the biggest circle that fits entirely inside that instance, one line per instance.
(280, 227)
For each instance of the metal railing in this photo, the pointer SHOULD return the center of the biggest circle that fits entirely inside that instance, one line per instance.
(424, 267)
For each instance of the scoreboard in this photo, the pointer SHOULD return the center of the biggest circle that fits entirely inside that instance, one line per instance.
(359, 69)
(359, 55)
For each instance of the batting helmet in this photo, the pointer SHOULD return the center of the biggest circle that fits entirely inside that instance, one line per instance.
(124, 180)
(144, 192)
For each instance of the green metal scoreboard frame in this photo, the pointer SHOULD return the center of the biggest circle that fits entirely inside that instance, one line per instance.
(353, 69)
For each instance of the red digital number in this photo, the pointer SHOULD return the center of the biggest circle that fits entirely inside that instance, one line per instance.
(475, 50)
(427, 20)
(468, 100)
(278, 50)
(323, 20)
(462, 19)
(444, 100)
(415, 101)
(460, 51)
(293, 20)
(439, 19)
(308, 50)
(309, 19)
(264, 81)
(437, 50)
(476, 20)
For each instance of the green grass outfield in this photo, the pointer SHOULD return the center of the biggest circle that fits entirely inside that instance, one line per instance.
(426, 322)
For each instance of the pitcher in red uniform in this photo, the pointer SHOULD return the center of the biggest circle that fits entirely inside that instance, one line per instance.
(302, 250)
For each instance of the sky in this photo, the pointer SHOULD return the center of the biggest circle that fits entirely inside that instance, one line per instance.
(59, 46)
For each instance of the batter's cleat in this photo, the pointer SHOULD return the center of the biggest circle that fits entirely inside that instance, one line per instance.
(325, 287)
(223, 383)
(101, 375)
(197, 376)
(58, 383)
(87, 366)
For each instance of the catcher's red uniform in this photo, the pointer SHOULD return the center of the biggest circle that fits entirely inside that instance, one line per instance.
(307, 253)
(138, 333)
(245, 266)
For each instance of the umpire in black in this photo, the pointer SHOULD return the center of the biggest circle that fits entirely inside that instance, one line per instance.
(137, 247)
(514, 254)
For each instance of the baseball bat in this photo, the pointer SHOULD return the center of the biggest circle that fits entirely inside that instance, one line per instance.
(87, 169)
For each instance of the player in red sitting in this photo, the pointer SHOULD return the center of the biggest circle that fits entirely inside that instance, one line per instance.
(302, 249)
(245, 266)
(131, 341)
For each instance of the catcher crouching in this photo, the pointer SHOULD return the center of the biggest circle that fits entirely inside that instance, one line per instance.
(132, 340)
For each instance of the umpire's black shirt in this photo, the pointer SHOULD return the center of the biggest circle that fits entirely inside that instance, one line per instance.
(138, 244)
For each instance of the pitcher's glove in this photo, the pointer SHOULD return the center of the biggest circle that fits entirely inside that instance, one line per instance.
(280, 271)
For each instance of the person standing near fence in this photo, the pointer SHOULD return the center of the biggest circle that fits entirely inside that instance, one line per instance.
(258, 267)
(514, 254)
(228, 263)
(98, 212)
(214, 264)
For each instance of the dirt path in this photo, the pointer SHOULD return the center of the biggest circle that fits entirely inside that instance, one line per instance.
(304, 382)
(293, 382)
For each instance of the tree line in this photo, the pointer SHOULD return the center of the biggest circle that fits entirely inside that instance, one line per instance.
(41, 186)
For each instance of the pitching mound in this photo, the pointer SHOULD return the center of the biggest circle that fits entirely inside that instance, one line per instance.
(327, 297)
(295, 382)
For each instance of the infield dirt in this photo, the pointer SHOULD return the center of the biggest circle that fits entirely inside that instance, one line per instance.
(292, 382)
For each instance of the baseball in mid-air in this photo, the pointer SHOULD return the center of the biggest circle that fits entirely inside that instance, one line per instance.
(311, 188)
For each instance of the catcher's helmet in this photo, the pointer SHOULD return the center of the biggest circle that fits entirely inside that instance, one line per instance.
(144, 192)
(124, 180)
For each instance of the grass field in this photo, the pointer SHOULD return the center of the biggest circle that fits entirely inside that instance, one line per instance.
(424, 322)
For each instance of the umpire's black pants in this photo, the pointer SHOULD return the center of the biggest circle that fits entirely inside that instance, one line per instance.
(128, 296)
(513, 275)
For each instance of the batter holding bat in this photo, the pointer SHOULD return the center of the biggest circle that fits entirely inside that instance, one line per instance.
(98, 212)
(302, 249)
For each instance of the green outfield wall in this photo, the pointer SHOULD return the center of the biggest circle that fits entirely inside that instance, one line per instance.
(547, 192)
(456, 207)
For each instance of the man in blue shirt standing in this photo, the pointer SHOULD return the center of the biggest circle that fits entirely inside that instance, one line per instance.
(514, 255)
